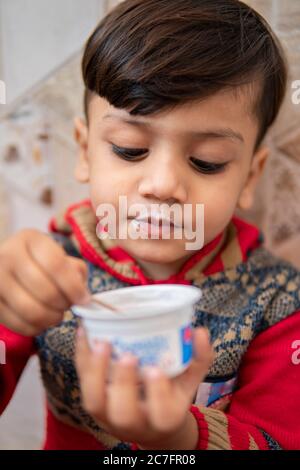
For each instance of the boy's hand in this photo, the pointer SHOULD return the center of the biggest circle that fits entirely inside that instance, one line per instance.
(38, 282)
(161, 419)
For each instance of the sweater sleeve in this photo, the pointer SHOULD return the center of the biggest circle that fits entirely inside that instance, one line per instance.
(265, 409)
(15, 350)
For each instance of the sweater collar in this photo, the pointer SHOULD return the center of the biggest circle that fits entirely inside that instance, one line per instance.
(228, 249)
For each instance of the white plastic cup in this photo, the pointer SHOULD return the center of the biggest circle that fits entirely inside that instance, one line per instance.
(154, 324)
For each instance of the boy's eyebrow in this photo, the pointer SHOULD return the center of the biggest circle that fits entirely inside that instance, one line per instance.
(216, 133)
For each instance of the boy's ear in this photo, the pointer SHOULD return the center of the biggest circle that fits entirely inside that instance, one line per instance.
(257, 165)
(82, 173)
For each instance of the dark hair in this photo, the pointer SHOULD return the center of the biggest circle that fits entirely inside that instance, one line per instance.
(147, 56)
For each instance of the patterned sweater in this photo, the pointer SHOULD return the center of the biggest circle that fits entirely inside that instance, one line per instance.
(250, 304)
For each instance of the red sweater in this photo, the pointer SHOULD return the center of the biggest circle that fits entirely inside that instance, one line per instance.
(264, 409)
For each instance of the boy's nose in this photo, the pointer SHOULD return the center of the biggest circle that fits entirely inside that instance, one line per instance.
(163, 182)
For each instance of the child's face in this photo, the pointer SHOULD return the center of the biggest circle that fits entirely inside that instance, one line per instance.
(219, 130)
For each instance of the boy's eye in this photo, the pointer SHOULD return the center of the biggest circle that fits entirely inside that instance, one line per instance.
(128, 154)
(201, 166)
(207, 167)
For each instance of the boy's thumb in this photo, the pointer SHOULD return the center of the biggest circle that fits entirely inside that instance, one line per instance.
(79, 266)
(202, 348)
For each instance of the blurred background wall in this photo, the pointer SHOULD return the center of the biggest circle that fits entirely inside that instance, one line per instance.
(277, 207)
(40, 51)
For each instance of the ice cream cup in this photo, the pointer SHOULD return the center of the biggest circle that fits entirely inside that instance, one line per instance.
(154, 324)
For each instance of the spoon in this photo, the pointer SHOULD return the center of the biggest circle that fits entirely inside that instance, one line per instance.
(105, 304)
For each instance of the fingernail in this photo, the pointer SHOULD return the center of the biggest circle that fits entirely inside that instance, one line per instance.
(80, 332)
(128, 359)
(152, 372)
(208, 334)
(85, 299)
(99, 347)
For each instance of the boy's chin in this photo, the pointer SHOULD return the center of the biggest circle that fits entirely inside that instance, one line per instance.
(156, 251)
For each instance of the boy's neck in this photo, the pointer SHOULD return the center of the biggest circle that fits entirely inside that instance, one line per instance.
(158, 271)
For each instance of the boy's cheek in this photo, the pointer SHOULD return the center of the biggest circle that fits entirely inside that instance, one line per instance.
(217, 214)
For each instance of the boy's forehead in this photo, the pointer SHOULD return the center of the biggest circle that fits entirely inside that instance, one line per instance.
(227, 109)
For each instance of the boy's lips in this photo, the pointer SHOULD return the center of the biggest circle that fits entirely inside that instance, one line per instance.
(156, 220)
(156, 229)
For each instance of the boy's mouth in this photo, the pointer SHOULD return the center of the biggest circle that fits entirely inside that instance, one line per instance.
(155, 219)
(156, 225)
(157, 222)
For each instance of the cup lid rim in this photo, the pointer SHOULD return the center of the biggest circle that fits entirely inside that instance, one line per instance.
(195, 295)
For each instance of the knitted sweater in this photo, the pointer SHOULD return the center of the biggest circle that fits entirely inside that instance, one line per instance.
(251, 306)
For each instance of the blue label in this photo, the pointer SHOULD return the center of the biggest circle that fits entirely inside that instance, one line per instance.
(148, 350)
(187, 344)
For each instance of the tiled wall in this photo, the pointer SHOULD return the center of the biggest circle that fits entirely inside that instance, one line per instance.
(37, 152)
(277, 208)
(40, 39)
(37, 156)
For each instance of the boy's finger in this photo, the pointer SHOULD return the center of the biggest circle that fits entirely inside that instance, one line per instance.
(27, 307)
(163, 413)
(79, 266)
(202, 349)
(15, 323)
(39, 285)
(124, 390)
(202, 358)
(92, 368)
(53, 260)
(82, 351)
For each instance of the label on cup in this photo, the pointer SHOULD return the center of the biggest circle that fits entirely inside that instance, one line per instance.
(187, 345)
(169, 350)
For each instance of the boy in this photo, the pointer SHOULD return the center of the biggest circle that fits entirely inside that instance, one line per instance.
(179, 96)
